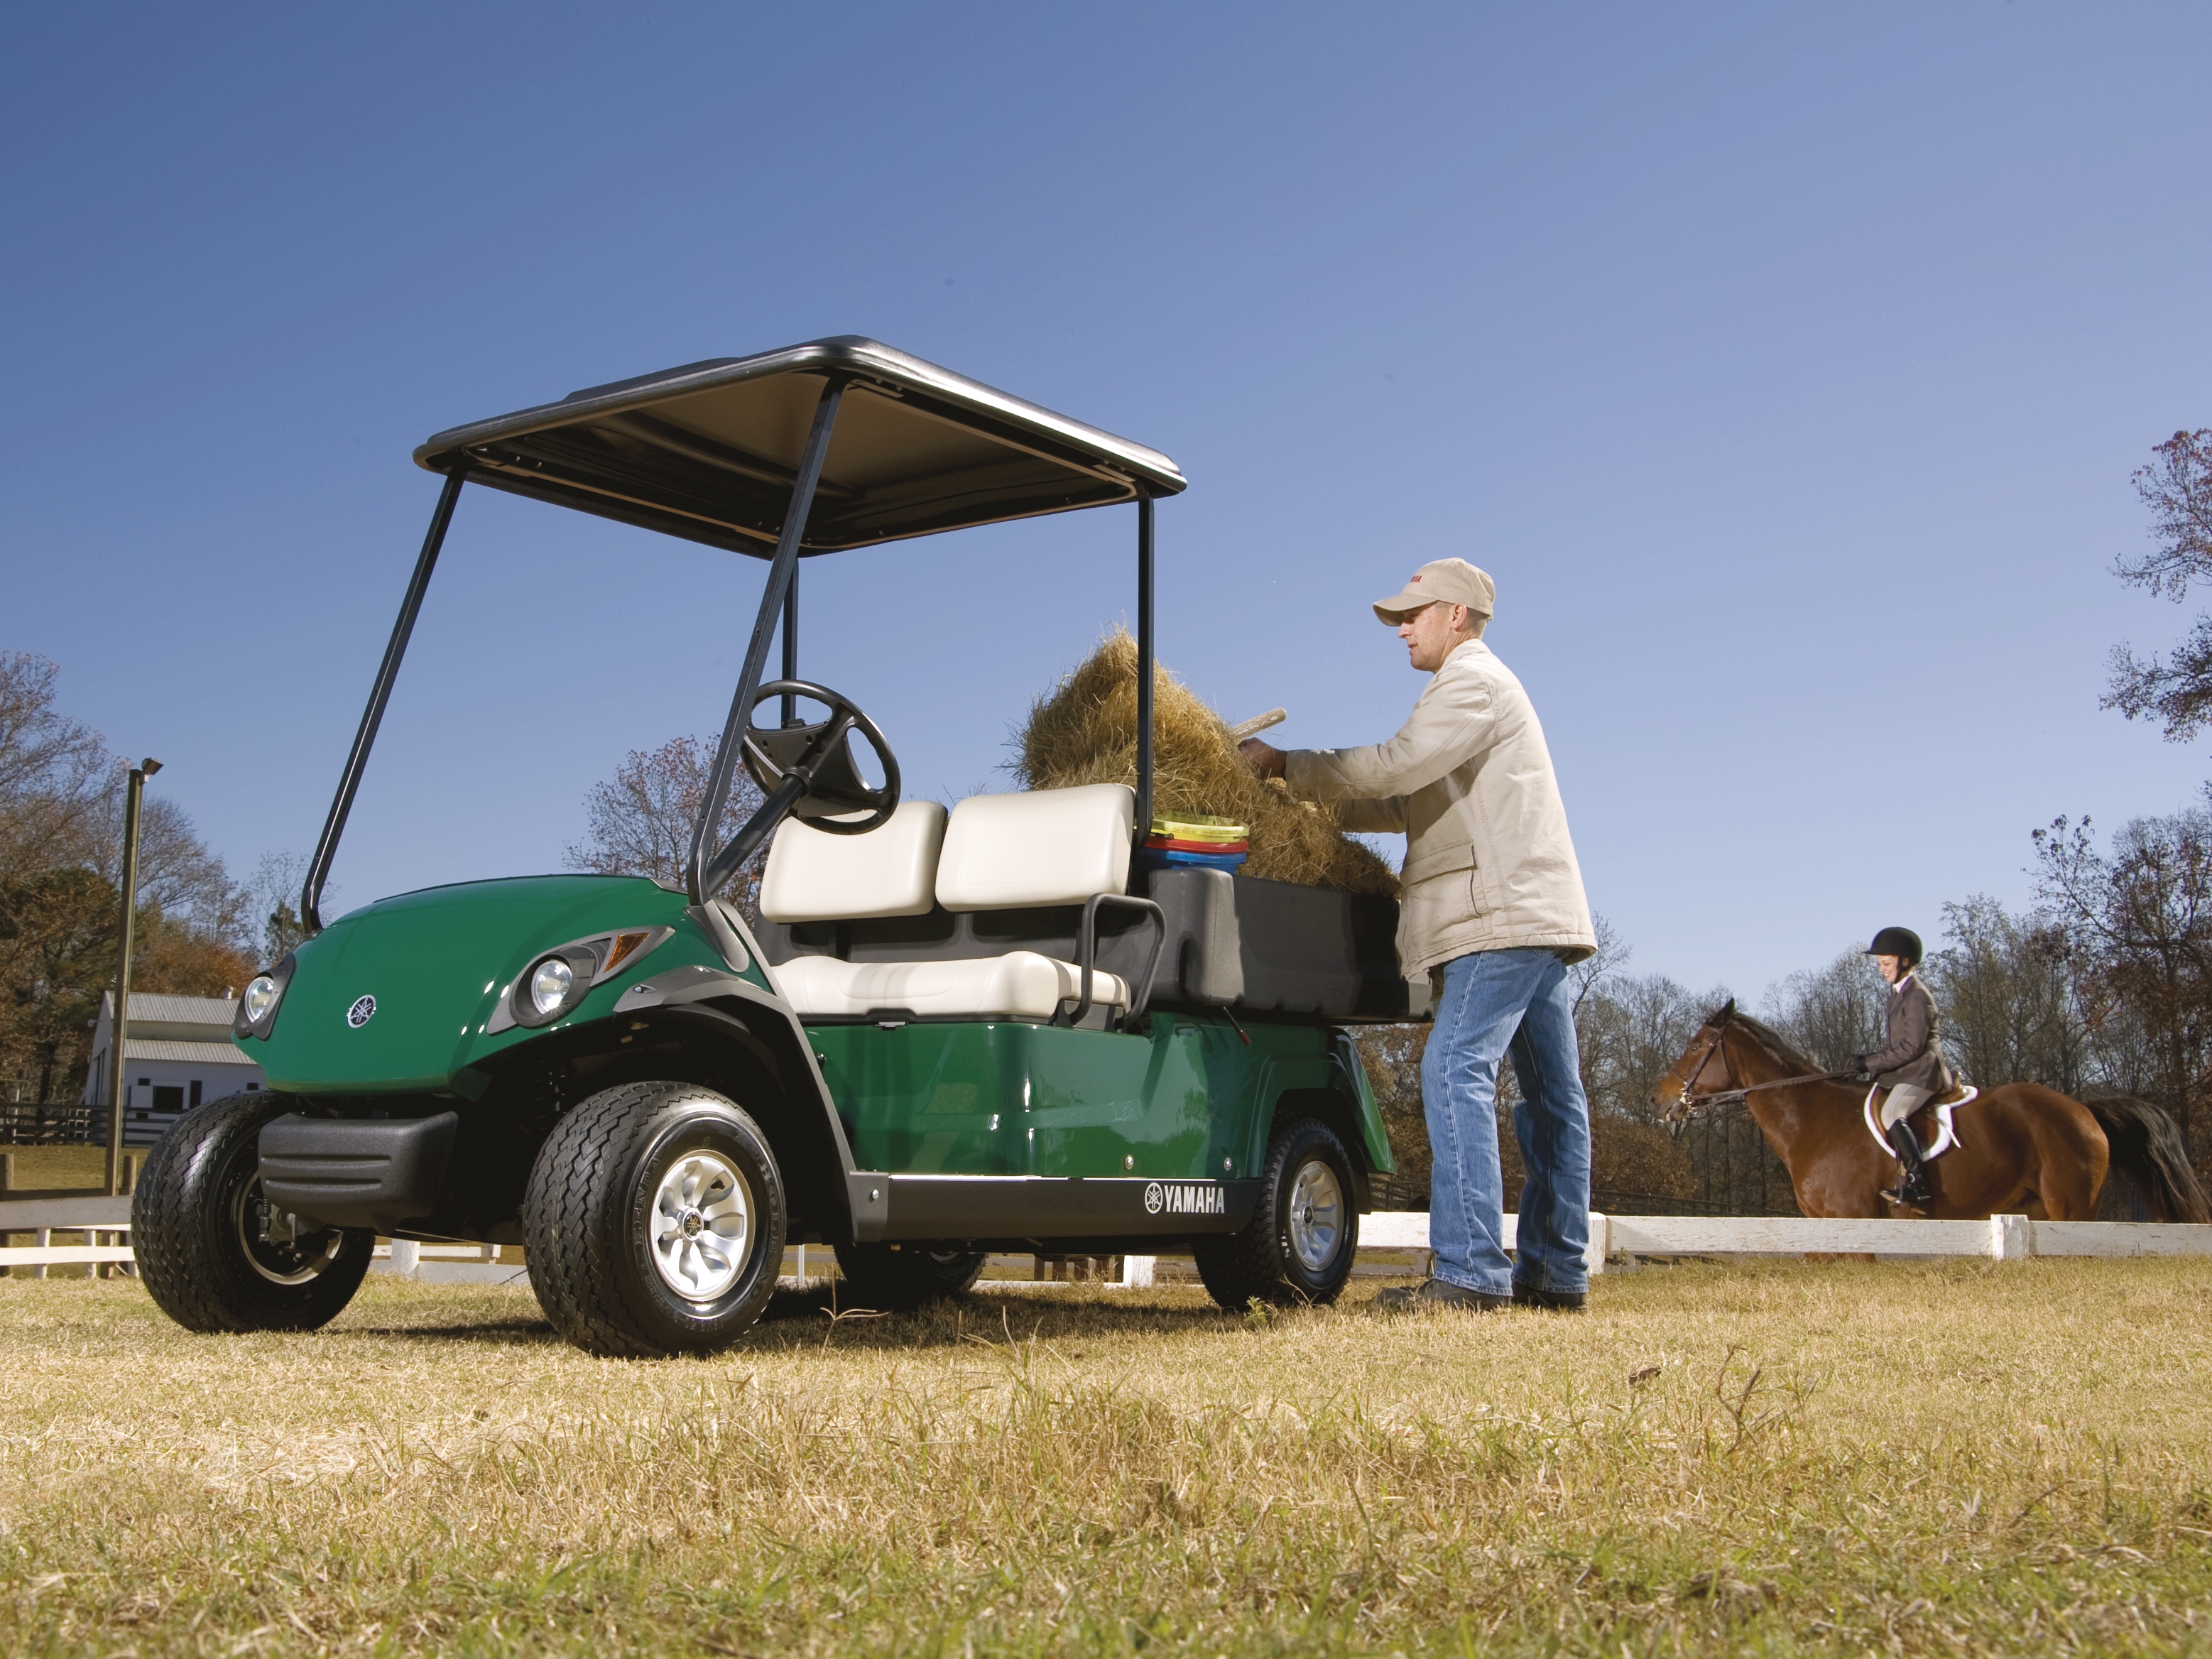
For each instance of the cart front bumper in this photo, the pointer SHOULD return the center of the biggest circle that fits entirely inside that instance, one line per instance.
(371, 1173)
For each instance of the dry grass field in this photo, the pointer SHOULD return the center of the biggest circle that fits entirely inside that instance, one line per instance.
(1951, 1459)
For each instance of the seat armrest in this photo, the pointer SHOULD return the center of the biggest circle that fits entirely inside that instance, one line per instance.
(1087, 948)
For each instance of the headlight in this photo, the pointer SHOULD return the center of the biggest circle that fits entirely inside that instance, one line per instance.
(554, 984)
(257, 1009)
(260, 998)
(550, 985)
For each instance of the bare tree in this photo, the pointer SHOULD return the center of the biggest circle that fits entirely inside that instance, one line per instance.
(2011, 992)
(179, 876)
(1832, 1012)
(638, 822)
(54, 771)
(2177, 487)
(1611, 956)
(272, 904)
(2143, 916)
(61, 836)
(1631, 1028)
(1631, 1031)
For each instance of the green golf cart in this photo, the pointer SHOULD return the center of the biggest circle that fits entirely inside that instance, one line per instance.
(949, 1032)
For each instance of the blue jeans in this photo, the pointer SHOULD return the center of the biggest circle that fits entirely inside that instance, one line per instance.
(1493, 1002)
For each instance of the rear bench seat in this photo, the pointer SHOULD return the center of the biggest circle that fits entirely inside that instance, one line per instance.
(1048, 847)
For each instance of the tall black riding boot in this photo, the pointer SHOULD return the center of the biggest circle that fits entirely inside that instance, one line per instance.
(1911, 1190)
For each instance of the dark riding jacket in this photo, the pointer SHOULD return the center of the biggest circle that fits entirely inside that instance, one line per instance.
(1910, 1053)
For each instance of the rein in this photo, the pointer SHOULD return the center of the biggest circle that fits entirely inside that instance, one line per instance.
(1690, 1102)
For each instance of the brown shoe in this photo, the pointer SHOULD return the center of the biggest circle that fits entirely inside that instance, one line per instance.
(1439, 1293)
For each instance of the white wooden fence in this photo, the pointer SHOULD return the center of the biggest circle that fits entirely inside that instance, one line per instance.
(1615, 1241)
(1620, 1239)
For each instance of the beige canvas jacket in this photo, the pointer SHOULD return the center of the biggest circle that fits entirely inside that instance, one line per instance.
(1489, 864)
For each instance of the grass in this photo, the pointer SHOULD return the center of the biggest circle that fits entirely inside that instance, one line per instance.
(60, 1166)
(1939, 1459)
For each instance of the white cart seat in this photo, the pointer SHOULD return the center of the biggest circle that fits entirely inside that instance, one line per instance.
(1021, 984)
(1048, 846)
(891, 871)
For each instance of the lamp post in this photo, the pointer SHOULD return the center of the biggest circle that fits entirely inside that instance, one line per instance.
(139, 773)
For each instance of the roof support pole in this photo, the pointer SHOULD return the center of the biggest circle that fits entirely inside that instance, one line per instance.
(318, 867)
(1144, 663)
(790, 644)
(782, 574)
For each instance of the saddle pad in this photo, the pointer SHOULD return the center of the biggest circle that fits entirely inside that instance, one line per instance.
(1946, 1136)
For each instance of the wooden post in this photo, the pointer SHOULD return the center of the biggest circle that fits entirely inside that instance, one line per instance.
(7, 1172)
(42, 1237)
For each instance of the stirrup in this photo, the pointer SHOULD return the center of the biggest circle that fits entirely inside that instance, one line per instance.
(1909, 1195)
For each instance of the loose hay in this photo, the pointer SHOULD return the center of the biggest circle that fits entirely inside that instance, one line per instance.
(1085, 731)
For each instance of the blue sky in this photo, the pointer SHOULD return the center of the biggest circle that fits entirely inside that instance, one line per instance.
(1786, 365)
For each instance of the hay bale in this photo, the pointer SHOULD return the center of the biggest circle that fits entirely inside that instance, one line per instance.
(1085, 731)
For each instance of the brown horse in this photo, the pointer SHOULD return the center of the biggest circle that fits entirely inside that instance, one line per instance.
(2022, 1149)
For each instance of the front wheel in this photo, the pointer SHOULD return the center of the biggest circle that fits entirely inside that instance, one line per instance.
(214, 1255)
(1298, 1247)
(897, 1279)
(655, 1218)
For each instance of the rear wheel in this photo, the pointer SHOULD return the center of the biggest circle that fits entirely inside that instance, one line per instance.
(655, 1218)
(1298, 1247)
(896, 1278)
(213, 1255)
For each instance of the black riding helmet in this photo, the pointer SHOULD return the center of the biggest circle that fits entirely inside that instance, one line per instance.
(1901, 942)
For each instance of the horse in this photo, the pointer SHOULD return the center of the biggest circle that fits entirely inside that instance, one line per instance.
(2021, 1150)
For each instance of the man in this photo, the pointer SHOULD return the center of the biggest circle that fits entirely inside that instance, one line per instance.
(1909, 1063)
(1491, 911)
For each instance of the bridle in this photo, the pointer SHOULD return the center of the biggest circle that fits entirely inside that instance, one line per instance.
(1687, 1103)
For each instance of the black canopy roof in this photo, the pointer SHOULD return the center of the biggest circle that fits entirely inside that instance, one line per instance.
(709, 451)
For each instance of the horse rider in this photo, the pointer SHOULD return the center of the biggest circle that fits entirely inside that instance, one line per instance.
(1909, 1063)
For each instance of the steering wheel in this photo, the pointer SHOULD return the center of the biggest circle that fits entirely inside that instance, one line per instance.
(818, 756)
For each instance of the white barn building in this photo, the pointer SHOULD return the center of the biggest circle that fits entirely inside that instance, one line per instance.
(177, 1054)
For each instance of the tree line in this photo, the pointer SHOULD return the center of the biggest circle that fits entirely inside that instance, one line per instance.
(2101, 985)
(199, 932)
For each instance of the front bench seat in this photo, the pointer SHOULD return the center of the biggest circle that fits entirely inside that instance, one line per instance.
(1046, 847)
(1020, 985)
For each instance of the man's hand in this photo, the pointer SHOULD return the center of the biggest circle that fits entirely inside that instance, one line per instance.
(1262, 757)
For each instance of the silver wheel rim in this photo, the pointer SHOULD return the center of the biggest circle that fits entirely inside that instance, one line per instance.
(258, 1250)
(703, 1225)
(1316, 1215)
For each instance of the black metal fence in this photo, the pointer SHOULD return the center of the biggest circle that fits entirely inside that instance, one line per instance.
(1734, 1171)
(51, 1123)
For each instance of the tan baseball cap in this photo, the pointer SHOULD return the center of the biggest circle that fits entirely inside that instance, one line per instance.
(1441, 581)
